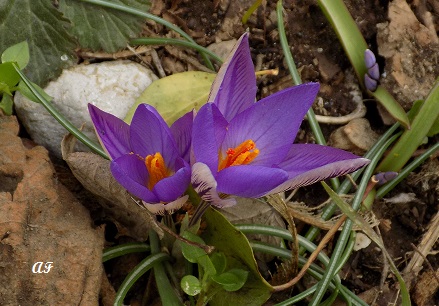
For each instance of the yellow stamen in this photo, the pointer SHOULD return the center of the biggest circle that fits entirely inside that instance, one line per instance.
(243, 154)
(156, 168)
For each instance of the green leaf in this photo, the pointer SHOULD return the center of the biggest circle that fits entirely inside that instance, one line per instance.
(411, 139)
(175, 95)
(219, 261)
(8, 75)
(5, 89)
(367, 229)
(231, 280)
(190, 285)
(99, 28)
(18, 53)
(46, 31)
(354, 45)
(415, 110)
(195, 254)
(6, 104)
(25, 91)
(227, 239)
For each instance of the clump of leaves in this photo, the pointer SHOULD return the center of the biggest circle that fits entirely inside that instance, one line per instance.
(10, 80)
(54, 32)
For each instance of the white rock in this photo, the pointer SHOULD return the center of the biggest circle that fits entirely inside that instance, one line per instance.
(111, 86)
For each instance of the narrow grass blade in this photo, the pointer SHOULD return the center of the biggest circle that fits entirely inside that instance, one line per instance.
(365, 227)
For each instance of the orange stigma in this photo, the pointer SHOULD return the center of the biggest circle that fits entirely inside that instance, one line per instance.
(242, 154)
(156, 168)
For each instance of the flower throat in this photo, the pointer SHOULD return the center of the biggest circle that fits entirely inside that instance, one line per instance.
(156, 168)
(242, 154)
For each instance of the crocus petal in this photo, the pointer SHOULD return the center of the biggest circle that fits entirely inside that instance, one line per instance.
(204, 184)
(182, 132)
(207, 134)
(131, 173)
(249, 181)
(168, 208)
(172, 187)
(150, 134)
(234, 88)
(112, 132)
(310, 163)
(272, 123)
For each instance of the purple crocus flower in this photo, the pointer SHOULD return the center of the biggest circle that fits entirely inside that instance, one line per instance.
(148, 158)
(246, 149)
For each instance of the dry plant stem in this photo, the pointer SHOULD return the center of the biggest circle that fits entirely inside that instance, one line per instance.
(157, 63)
(117, 55)
(427, 261)
(207, 248)
(386, 266)
(359, 112)
(313, 256)
(187, 58)
(424, 247)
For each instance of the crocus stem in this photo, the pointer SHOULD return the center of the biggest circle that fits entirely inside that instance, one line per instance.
(199, 212)
(166, 291)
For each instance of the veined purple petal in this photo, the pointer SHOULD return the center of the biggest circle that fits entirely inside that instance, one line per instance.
(113, 133)
(168, 208)
(182, 132)
(310, 163)
(207, 134)
(272, 123)
(249, 181)
(204, 184)
(150, 134)
(130, 171)
(171, 188)
(234, 88)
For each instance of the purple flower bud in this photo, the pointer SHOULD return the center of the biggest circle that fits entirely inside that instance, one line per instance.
(370, 83)
(369, 58)
(372, 76)
(374, 72)
(384, 177)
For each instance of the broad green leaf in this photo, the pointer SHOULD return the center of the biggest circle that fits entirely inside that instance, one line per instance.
(190, 285)
(221, 234)
(99, 28)
(18, 53)
(175, 95)
(219, 262)
(195, 254)
(6, 104)
(25, 91)
(46, 31)
(354, 45)
(367, 229)
(411, 139)
(231, 280)
(415, 110)
(8, 75)
(5, 89)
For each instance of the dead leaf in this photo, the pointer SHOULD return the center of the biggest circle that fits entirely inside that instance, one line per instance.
(94, 174)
